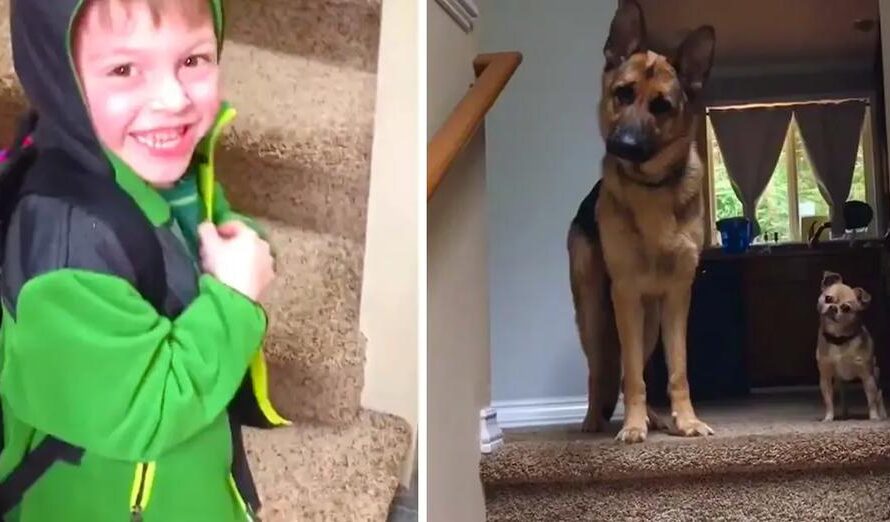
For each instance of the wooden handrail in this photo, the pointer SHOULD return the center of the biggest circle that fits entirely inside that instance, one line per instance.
(493, 71)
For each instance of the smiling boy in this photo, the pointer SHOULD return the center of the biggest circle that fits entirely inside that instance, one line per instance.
(116, 405)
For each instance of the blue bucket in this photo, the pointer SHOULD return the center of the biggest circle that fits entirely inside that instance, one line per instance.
(736, 234)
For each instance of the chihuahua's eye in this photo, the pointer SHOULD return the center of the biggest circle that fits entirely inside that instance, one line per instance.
(122, 71)
(845, 308)
(625, 94)
(660, 105)
(829, 299)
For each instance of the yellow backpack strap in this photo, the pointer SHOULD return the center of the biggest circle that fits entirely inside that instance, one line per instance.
(207, 149)
(259, 377)
(252, 404)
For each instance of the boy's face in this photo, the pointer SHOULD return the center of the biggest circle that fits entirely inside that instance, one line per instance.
(151, 85)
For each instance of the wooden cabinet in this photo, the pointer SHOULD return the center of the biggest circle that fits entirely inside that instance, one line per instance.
(753, 320)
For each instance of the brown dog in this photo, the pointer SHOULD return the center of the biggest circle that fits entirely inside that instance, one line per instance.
(635, 243)
(845, 350)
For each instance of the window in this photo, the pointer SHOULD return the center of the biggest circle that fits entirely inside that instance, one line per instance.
(791, 201)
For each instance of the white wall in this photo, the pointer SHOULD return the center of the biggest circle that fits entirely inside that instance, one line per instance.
(389, 285)
(544, 152)
(458, 372)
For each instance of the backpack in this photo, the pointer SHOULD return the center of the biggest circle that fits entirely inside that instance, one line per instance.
(98, 195)
(103, 198)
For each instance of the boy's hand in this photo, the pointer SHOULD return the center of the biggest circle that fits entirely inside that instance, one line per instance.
(236, 255)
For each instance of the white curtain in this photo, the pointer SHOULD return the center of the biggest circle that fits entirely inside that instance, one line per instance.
(830, 133)
(750, 141)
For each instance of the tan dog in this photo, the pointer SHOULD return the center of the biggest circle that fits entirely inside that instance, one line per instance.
(634, 245)
(845, 350)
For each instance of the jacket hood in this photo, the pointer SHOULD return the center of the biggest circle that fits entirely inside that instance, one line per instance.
(41, 33)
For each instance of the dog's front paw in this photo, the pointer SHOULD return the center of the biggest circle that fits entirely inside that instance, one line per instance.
(692, 427)
(632, 432)
(876, 415)
(593, 423)
(828, 417)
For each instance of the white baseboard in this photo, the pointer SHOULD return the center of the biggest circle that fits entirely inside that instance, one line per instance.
(550, 411)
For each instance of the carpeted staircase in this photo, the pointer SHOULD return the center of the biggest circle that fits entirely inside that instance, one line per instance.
(302, 75)
(771, 460)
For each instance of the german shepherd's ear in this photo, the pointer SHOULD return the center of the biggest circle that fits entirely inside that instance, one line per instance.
(830, 279)
(627, 34)
(694, 59)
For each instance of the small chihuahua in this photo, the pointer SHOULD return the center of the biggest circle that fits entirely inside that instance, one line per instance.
(845, 350)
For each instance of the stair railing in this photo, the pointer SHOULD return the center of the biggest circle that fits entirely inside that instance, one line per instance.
(493, 71)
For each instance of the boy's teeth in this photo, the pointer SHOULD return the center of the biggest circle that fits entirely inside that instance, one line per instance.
(161, 139)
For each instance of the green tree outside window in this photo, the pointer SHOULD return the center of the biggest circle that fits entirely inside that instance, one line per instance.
(773, 208)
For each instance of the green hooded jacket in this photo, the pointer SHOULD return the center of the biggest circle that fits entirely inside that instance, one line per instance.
(152, 400)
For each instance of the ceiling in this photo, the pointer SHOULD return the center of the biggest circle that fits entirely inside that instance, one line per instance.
(769, 32)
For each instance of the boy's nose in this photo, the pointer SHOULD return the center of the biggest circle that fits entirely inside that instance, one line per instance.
(170, 96)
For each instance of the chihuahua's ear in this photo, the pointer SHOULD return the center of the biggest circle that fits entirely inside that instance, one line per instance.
(627, 34)
(863, 296)
(830, 279)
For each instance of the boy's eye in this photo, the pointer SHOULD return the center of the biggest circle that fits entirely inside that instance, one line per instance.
(122, 71)
(196, 59)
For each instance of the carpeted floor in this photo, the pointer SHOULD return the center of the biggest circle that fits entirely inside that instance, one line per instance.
(302, 75)
(765, 450)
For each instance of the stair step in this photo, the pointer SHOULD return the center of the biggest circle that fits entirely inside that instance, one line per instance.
(314, 347)
(759, 435)
(12, 106)
(769, 458)
(339, 32)
(299, 150)
(856, 495)
(603, 460)
(286, 99)
(321, 473)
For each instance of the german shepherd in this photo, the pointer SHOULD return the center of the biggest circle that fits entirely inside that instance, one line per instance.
(635, 242)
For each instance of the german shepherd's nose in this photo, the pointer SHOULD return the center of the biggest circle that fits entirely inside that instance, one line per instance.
(631, 144)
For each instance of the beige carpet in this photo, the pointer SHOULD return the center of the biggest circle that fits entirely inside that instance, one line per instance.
(862, 496)
(319, 473)
(562, 474)
(302, 75)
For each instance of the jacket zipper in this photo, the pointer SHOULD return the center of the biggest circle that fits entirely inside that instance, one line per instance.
(141, 490)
